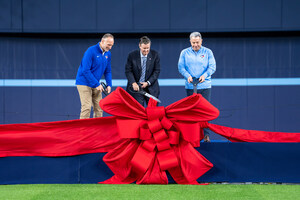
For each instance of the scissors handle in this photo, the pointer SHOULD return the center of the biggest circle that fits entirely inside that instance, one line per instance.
(104, 88)
(195, 83)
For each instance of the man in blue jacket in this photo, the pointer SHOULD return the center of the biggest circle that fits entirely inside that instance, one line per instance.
(199, 62)
(95, 63)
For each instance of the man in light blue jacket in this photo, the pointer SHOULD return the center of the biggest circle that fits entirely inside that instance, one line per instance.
(199, 62)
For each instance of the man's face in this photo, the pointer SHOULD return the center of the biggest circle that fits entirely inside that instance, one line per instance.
(145, 48)
(107, 43)
(196, 43)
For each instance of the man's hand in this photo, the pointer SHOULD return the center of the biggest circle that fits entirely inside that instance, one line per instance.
(201, 79)
(100, 88)
(190, 79)
(108, 89)
(135, 86)
(144, 84)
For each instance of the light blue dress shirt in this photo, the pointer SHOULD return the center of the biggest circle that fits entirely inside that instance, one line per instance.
(196, 64)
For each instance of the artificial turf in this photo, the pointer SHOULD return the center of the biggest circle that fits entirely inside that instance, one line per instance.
(132, 191)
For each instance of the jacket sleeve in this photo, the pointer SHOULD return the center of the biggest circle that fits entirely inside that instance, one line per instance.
(86, 64)
(129, 70)
(211, 64)
(181, 66)
(107, 72)
(156, 70)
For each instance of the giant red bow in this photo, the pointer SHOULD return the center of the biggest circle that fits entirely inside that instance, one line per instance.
(158, 139)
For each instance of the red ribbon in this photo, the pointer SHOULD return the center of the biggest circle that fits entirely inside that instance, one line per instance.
(158, 139)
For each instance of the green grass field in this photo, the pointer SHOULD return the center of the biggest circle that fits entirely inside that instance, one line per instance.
(172, 191)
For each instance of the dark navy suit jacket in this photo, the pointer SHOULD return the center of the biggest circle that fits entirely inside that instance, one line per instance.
(133, 70)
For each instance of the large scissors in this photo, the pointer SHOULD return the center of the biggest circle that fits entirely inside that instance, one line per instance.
(143, 92)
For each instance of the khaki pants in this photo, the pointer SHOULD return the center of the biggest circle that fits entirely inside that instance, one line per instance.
(89, 97)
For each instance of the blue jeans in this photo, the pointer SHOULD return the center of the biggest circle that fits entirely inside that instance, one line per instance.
(206, 93)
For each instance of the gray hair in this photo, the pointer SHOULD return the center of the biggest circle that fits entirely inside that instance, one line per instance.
(195, 34)
(107, 35)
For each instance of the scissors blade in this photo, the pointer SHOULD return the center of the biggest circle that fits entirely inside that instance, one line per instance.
(151, 96)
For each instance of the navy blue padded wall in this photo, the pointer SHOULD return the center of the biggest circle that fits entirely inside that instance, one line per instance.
(233, 162)
(17, 105)
(262, 14)
(227, 15)
(5, 13)
(41, 15)
(138, 16)
(10, 15)
(188, 15)
(290, 14)
(55, 104)
(151, 15)
(78, 15)
(115, 16)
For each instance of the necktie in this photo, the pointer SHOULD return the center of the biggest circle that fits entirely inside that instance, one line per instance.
(142, 79)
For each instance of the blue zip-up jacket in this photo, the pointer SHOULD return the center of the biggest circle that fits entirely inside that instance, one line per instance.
(196, 64)
(93, 65)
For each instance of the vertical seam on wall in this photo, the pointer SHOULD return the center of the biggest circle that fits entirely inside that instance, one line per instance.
(96, 7)
(132, 4)
(244, 14)
(59, 16)
(22, 16)
(169, 15)
(206, 9)
(281, 14)
(11, 13)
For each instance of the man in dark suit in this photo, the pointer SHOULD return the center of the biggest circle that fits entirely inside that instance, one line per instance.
(143, 67)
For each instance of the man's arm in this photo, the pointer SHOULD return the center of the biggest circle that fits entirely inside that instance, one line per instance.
(156, 70)
(107, 75)
(86, 64)
(181, 66)
(211, 65)
(129, 70)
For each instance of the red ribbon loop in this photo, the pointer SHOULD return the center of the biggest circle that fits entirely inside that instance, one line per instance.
(172, 130)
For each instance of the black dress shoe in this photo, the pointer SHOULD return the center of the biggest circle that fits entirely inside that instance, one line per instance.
(206, 138)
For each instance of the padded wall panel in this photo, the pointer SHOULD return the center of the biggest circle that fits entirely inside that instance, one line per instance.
(188, 15)
(93, 169)
(16, 15)
(151, 15)
(263, 15)
(41, 16)
(5, 14)
(78, 15)
(261, 108)
(233, 162)
(225, 15)
(55, 104)
(287, 110)
(290, 14)
(115, 16)
(229, 56)
(31, 170)
(17, 105)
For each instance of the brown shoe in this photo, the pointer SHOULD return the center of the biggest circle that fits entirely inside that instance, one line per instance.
(206, 138)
